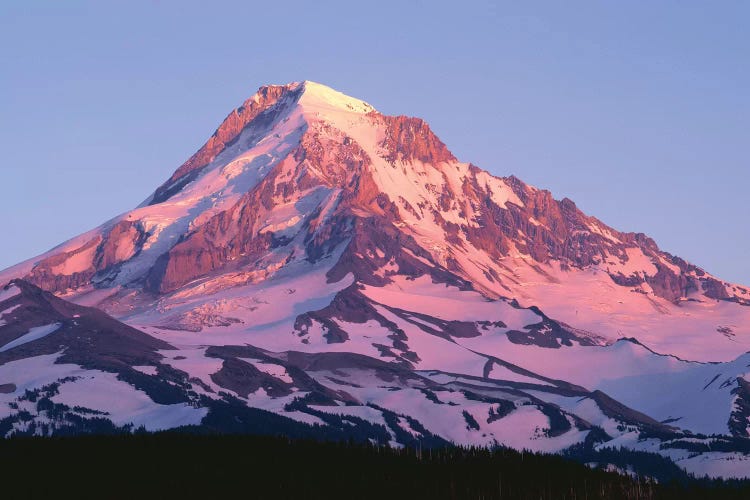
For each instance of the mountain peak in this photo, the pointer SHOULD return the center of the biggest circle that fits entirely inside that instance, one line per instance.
(316, 252)
(301, 172)
(317, 95)
(267, 105)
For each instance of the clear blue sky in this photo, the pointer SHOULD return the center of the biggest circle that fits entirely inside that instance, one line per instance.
(638, 111)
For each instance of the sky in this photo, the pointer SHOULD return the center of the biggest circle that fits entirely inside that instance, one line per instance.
(639, 111)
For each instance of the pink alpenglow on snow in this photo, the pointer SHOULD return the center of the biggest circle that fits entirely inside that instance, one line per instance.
(328, 263)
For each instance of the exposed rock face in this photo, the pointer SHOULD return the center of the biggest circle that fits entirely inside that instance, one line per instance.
(411, 139)
(122, 243)
(739, 420)
(51, 275)
(94, 262)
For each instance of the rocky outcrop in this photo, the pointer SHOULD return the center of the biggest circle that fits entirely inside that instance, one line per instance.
(93, 262)
(739, 419)
(410, 139)
(50, 274)
(122, 243)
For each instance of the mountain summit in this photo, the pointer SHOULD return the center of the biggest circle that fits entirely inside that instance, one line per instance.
(316, 258)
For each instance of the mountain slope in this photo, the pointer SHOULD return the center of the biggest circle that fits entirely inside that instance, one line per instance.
(300, 172)
(318, 258)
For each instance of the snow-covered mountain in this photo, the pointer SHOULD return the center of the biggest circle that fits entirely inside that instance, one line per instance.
(337, 266)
